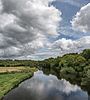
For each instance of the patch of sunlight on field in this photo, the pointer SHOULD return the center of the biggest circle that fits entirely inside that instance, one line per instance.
(15, 69)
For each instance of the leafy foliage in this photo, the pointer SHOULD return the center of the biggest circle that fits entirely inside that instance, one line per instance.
(73, 67)
(86, 54)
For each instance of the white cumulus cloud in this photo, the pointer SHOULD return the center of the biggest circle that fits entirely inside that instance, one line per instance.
(67, 45)
(25, 25)
(61, 47)
(81, 21)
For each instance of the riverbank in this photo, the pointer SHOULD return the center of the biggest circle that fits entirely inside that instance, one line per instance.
(10, 80)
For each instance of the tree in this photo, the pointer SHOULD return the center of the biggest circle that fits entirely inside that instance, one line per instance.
(86, 80)
(72, 60)
(86, 54)
(69, 74)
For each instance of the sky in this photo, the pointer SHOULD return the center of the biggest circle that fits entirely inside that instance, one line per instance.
(39, 29)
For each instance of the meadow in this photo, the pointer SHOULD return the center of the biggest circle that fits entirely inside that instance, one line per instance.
(12, 77)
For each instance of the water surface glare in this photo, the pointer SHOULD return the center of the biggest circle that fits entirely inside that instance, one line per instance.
(44, 87)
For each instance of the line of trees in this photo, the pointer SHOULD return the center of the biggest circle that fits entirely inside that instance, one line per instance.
(73, 67)
(18, 63)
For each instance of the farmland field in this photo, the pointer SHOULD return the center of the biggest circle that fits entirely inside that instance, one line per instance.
(15, 69)
(10, 77)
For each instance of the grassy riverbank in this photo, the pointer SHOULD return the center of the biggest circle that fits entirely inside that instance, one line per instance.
(9, 80)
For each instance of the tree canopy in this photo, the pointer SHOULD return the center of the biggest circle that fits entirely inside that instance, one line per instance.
(73, 67)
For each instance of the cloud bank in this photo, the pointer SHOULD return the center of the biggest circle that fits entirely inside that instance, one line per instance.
(64, 46)
(61, 47)
(70, 45)
(25, 25)
(43, 87)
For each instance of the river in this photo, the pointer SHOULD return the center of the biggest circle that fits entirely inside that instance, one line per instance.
(46, 87)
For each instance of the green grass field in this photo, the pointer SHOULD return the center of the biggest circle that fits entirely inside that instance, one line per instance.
(9, 81)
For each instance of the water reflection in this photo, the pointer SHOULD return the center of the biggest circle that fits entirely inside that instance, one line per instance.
(43, 87)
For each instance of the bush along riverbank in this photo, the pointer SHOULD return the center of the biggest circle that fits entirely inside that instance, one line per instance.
(74, 67)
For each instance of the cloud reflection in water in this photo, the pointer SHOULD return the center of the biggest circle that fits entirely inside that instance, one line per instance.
(43, 87)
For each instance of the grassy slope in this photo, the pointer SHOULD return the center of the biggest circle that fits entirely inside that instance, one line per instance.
(10, 80)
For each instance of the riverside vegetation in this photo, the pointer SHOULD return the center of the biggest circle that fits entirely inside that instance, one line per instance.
(11, 77)
(73, 67)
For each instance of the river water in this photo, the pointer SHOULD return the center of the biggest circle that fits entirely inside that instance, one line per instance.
(44, 87)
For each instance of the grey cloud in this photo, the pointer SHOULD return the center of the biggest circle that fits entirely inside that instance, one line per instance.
(43, 19)
(61, 47)
(25, 50)
(25, 22)
(6, 42)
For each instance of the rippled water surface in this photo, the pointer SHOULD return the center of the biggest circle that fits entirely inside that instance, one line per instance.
(43, 87)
